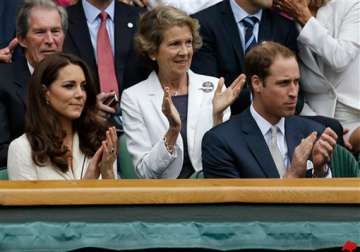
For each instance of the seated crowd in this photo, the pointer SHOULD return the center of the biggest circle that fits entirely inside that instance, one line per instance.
(239, 89)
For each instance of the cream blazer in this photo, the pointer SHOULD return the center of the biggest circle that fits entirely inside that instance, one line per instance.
(21, 166)
(145, 125)
(334, 75)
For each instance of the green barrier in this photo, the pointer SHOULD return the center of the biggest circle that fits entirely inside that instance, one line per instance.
(55, 237)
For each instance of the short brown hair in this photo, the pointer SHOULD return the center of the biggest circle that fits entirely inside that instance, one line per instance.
(260, 58)
(154, 23)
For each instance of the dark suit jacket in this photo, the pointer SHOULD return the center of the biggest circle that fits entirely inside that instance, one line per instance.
(128, 66)
(13, 93)
(237, 148)
(222, 55)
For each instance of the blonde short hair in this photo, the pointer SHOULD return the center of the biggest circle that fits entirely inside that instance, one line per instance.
(154, 23)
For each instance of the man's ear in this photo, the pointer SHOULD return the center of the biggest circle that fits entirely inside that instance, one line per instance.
(256, 83)
(22, 42)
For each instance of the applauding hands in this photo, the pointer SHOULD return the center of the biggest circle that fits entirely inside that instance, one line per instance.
(103, 160)
(223, 99)
(319, 151)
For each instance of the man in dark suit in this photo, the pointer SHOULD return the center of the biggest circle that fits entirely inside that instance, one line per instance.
(223, 33)
(40, 31)
(81, 40)
(267, 140)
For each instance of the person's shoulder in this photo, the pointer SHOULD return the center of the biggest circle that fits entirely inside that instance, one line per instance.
(204, 78)
(129, 9)
(141, 86)
(306, 123)
(20, 143)
(277, 17)
(229, 127)
(210, 12)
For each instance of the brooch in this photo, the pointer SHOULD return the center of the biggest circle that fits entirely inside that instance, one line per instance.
(207, 87)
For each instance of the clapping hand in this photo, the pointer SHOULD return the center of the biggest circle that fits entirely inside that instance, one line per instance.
(103, 160)
(223, 99)
(322, 151)
(301, 155)
(169, 110)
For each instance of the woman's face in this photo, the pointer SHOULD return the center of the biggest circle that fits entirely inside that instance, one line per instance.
(67, 95)
(175, 51)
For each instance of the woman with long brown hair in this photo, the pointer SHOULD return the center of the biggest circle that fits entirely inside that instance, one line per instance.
(63, 138)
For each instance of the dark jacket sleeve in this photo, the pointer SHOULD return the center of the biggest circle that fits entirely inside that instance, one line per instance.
(217, 161)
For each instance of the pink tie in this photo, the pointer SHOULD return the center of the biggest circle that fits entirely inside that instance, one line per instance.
(105, 59)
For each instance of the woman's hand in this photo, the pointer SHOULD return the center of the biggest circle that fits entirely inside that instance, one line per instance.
(297, 9)
(109, 154)
(140, 3)
(93, 171)
(169, 110)
(103, 160)
(222, 100)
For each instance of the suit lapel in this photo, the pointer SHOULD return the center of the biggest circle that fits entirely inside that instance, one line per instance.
(195, 99)
(266, 29)
(232, 30)
(258, 146)
(155, 94)
(307, 57)
(79, 31)
(124, 27)
(21, 78)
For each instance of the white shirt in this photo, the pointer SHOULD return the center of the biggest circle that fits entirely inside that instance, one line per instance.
(239, 15)
(93, 21)
(265, 128)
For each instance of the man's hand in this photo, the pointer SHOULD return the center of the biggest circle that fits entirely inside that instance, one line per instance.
(104, 110)
(6, 52)
(322, 151)
(222, 100)
(140, 3)
(301, 155)
(297, 9)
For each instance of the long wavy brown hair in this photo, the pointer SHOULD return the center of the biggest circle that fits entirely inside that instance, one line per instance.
(43, 128)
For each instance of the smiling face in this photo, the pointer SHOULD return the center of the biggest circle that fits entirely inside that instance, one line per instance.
(45, 34)
(67, 95)
(175, 52)
(276, 96)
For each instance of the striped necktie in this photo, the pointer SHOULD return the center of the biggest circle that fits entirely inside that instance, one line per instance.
(250, 39)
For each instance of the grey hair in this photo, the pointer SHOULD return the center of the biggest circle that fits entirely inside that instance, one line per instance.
(22, 18)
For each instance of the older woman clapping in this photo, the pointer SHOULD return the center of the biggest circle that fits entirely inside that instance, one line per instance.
(166, 116)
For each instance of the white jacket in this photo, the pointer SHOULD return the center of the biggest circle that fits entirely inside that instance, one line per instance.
(145, 126)
(334, 75)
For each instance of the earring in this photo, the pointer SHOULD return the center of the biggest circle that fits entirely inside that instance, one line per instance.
(47, 101)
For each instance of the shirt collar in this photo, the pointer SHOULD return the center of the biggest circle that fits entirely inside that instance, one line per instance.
(240, 13)
(91, 12)
(264, 125)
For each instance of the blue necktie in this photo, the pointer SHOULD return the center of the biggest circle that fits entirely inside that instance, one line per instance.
(250, 39)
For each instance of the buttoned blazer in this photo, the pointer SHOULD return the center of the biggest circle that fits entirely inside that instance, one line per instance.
(145, 126)
(237, 148)
(333, 74)
(22, 167)
(13, 95)
(128, 66)
(222, 54)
